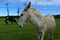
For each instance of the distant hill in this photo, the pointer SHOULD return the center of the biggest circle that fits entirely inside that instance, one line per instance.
(57, 16)
(9, 16)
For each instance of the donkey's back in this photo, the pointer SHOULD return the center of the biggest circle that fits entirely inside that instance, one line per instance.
(50, 22)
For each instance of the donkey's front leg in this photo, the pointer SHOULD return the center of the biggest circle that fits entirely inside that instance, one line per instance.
(39, 34)
(42, 36)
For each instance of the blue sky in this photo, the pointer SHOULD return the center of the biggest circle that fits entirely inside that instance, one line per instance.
(45, 7)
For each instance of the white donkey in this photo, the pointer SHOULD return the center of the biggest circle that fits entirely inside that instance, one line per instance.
(42, 24)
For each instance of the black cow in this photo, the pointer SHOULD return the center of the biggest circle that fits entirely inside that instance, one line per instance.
(10, 19)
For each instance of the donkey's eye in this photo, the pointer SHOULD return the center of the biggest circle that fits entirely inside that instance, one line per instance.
(21, 14)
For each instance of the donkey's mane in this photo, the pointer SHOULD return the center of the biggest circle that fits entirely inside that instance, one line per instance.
(37, 13)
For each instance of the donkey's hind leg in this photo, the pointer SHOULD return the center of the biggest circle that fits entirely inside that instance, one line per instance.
(50, 35)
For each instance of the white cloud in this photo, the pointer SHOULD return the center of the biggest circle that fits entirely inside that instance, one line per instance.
(35, 2)
(12, 1)
(50, 2)
(58, 12)
(18, 1)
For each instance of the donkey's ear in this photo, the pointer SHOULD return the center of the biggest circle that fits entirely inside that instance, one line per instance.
(28, 6)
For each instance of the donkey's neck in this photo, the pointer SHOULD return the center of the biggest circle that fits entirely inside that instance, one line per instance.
(38, 14)
(34, 19)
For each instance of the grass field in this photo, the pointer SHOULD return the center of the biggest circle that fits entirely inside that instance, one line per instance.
(13, 32)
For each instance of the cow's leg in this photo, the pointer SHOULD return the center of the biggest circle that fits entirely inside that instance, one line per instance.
(6, 21)
(11, 22)
(15, 21)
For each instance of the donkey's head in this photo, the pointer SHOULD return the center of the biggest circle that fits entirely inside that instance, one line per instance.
(24, 17)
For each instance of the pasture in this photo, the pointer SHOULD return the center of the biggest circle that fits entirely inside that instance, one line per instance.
(28, 32)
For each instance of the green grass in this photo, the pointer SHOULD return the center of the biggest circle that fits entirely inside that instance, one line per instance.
(13, 32)
(57, 30)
